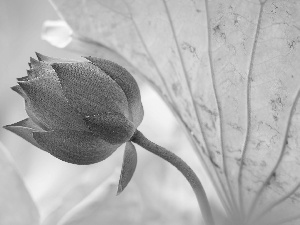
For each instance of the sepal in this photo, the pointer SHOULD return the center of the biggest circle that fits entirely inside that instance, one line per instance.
(128, 166)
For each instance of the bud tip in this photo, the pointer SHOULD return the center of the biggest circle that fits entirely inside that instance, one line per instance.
(39, 56)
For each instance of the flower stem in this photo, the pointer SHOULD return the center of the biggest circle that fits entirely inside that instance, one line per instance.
(189, 174)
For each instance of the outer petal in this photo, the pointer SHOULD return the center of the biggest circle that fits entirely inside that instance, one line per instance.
(39, 69)
(111, 127)
(19, 90)
(128, 167)
(77, 147)
(24, 129)
(23, 78)
(33, 63)
(128, 84)
(47, 105)
(28, 107)
(50, 60)
(90, 90)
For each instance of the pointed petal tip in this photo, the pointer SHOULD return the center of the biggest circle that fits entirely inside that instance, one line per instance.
(24, 129)
(120, 189)
(33, 60)
(39, 56)
(23, 87)
(87, 58)
(15, 88)
(25, 78)
(21, 84)
(10, 127)
(6, 127)
(19, 90)
(34, 63)
(44, 58)
(56, 68)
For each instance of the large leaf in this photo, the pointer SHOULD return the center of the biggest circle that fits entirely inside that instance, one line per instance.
(16, 206)
(230, 72)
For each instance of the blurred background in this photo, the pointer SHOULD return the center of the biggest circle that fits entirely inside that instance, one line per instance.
(50, 180)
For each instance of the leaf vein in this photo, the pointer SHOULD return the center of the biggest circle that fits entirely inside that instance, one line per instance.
(230, 198)
(283, 147)
(248, 102)
(274, 204)
(188, 86)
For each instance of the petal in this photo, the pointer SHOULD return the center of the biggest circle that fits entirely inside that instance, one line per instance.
(128, 84)
(39, 69)
(33, 63)
(50, 60)
(128, 167)
(35, 117)
(46, 105)
(77, 147)
(19, 90)
(111, 127)
(28, 107)
(23, 78)
(90, 90)
(24, 129)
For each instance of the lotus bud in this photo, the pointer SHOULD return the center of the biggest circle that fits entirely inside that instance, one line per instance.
(80, 112)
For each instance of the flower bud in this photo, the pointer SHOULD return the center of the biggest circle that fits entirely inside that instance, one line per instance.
(80, 112)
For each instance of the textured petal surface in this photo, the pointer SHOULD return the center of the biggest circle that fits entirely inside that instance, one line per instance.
(77, 147)
(28, 107)
(19, 90)
(128, 167)
(47, 104)
(39, 69)
(90, 90)
(112, 127)
(24, 129)
(128, 84)
(33, 63)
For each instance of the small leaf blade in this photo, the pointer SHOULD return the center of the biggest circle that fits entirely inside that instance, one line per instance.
(128, 167)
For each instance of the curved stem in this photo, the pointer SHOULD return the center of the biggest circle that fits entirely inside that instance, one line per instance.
(189, 174)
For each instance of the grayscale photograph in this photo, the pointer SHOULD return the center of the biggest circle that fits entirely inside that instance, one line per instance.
(150, 112)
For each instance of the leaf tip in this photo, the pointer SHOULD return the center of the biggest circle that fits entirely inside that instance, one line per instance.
(120, 188)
